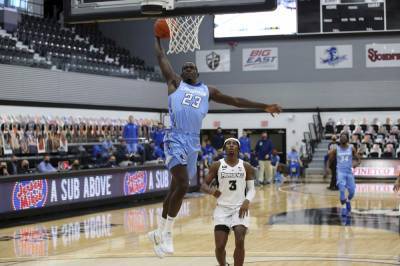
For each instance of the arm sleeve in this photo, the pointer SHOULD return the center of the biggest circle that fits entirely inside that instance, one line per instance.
(251, 192)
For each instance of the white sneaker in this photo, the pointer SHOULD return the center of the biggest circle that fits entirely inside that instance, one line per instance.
(155, 238)
(167, 243)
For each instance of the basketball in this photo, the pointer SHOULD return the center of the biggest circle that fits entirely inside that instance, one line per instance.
(161, 29)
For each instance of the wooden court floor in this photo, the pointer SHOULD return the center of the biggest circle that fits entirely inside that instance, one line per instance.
(295, 224)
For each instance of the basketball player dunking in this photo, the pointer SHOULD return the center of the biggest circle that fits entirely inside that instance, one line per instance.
(344, 154)
(188, 105)
(235, 182)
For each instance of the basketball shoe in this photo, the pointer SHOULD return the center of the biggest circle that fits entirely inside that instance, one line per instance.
(155, 238)
(167, 243)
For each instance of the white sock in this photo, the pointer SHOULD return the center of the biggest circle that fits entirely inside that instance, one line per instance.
(169, 224)
(161, 224)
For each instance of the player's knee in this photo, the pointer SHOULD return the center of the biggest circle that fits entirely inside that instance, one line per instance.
(239, 243)
(183, 186)
(351, 193)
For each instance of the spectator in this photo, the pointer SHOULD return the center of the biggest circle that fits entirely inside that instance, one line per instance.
(392, 139)
(131, 134)
(245, 145)
(12, 166)
(363, 151)
(294, 162)
(395, 131)
(388, 151)
(122, 151)
(275, 160)
(158, 135)
(112, 162)
(75, 166)
(107, 145)
(358, 131)
(45, 165)
(25, 167)
(3, 169)
(158, 152)
(209, 152)
(218, 140)
(375, 151)
(126, 162)
(264, 151)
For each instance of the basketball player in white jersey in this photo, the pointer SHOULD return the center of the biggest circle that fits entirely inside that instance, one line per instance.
(235, 182)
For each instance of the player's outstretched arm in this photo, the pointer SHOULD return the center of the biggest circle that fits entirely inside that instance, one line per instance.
(168, 72)
(219, 97)
(212, 174)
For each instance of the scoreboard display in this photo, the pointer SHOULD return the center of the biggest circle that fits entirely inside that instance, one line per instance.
(343, 16)
(349, 15)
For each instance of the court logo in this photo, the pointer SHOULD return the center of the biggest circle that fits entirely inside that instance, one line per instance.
(29, 194)
(260, 59)
(135, 182)
(331, 57)
(213, 60)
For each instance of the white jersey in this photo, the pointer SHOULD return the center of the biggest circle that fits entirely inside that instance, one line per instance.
(232, 184)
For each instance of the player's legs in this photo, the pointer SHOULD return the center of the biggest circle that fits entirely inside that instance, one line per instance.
(261, 172)
(239, 253)
(341, 183)
(181, 180)
(167, 199)
(221, 233)
(268, 171)
(351, 188)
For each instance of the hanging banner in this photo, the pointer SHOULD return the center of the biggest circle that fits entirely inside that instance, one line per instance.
(213, 60)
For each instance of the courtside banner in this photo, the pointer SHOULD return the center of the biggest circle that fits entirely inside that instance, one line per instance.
(260, 59)
(382, 55)
(28, 194)
(333, 56)
(213, 60)
(377, 169)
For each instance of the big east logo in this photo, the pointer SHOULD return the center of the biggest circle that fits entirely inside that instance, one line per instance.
(260, 56)
(29, 194)
(135, 182)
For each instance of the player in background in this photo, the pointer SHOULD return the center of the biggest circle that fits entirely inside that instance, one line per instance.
(344, 154)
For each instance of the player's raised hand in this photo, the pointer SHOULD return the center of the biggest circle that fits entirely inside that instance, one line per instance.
(273, 109)
(244, 209)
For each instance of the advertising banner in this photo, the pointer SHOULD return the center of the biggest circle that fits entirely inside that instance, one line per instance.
(377, 168)
(59, 190)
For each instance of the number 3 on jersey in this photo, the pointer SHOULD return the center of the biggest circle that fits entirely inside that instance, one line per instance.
(232, 184)
(191, 100)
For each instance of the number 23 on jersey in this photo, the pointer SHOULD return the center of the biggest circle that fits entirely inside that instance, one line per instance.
(191, 100)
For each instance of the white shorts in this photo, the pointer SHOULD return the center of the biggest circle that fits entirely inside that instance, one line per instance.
(229, 216)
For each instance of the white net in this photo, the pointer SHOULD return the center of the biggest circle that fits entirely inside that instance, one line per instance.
(184, 34)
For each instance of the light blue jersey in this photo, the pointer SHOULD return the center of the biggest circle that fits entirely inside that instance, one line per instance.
(344, 158)
(345, 177)
(188, 106)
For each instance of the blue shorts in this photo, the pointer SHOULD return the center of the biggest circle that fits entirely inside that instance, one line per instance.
(346, 179)
(182, 148)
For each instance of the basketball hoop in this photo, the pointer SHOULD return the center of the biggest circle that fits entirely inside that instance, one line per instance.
(184, 34)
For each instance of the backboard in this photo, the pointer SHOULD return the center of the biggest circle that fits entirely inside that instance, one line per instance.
(106, 10)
